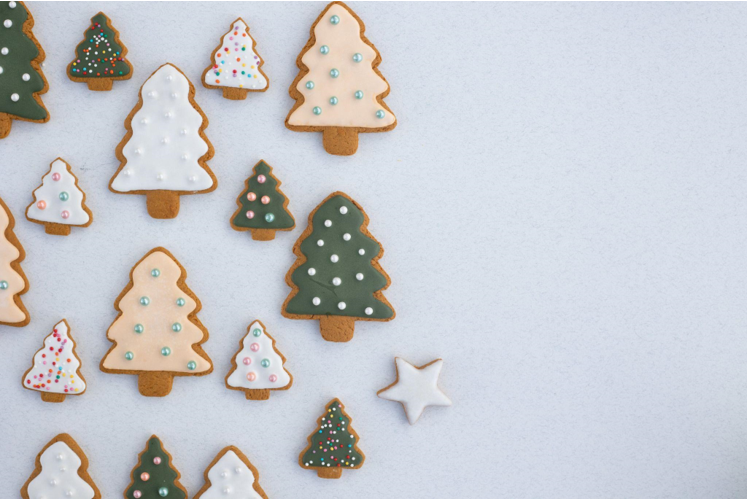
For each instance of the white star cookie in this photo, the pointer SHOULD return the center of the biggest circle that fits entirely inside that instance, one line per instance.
(415, 388)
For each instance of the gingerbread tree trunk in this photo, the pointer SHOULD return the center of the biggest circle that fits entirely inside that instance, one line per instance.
(236, 65)
(100, 57)
(13, 282)
(157, 334)
(21, 78)
(262, 206)
(257, 367)
(154, 477)
(231, 475)
(59, 203)
(332, 446)
(56, 368)
(336, 278)
(61, 471)
(164, 153)
(339, 90)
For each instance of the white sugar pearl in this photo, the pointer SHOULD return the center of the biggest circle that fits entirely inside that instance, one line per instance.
(7, 23)
(53, 482)
(138, 150)
(315, 301)
(227, 490)
(174, 95)
(320, 242)
(165, 140)
(144, 121)
(368, 310)
(4, 51)
(169, 115)
(14, 97)
(26, 77)
(160, 176)
(69, 493)
(152, 94)
(224, 474)
(359, 276)
(347, 237)
(328, 223)
(192, 178)
(169, 78)
(128, 172)
(341, 305)
(1, 70)
(336, 281)
(361, 251)
(343, 210)
(185, 157)
(12, 5)
(183, 131)
(237, 470)
(334, 258)
(311, 271)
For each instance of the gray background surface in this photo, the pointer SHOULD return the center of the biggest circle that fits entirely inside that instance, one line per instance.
(563, 212)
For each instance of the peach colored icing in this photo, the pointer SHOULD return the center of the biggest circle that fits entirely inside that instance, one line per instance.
(9, 311)
(157, 319)
(343, 41)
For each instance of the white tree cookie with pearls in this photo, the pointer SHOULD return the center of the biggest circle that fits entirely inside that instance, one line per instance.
(231, 475)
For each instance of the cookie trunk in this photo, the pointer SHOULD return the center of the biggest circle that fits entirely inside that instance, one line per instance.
(162, 204)
(329, 472)
(5, 123)
(235, 93)
(263, 234)
(99, 84)
(340, 141)
(53, 397)
(155, 384)
(57, 229)
(337, 328)
(263, 394)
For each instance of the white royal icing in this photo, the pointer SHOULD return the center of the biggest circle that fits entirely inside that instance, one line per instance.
(59, 475)
(236, 63)
(416, 388)
(230, 477)
(49, 193)
(165, 146)
(9, 311)
(264, 350)
(55, 366)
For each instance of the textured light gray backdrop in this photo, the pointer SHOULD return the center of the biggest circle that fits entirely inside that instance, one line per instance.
(563, 212)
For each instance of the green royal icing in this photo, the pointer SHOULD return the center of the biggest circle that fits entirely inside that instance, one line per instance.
(99, 55)
(281, 218)
(17, 63)
(160, 475)
(358, 295)
(340, 451)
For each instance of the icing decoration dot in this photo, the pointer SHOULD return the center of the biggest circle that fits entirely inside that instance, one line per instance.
(324, 49)
(157, 460)
(176, 327)
(136, 494)
(256, 332)
(341, 305)
(272, 378)
(361, 251)
(191, 366)
(347, 237)
(358, 57)
(26, 77)
(380, 114)
(343, 210)
(334, 258)
(265, 200)
(335, 20)
(334, 73)
(129, 355)
(144, 300)
(250, 214)
(251, 196)
(255, 347)
(310, 85)
(320, 242)
(247, 361)
(359, 94)
(315, 301)
(41, 205)
(328, 223)
(251, 376)
(3, 284)
(334, 100)
(156, 272)
(14, 97)
(269, 217)
(261, 179)
(180, 302)
(316, 110)
(368, 310)
(65, 214)
(4, 51)
(166, 351)
(336, 281)
(265, 363)
(163, 491)
(311, 271)
(145, 476)
(139, 328)
(359, 276)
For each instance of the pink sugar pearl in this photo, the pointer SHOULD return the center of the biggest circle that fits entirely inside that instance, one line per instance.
(247, 361)
(136, 494)
(250, 214)
(251, 376)
(41, 205)
(157, 460)
(145, 476)
(251, 196)
(273, 378)
(261, 179)
(65, 214)
(55, 176)
(255, 347)
(265, 200)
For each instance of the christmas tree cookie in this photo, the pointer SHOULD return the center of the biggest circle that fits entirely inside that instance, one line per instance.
(164, 153)
(13, 282)
(231, 475)
(61, 472)
(59, 203)
(257, 367)
(100, 57)
(337, 278)
(154, 477)
(236, 65)
(332, 446)
(56, 369)
(262, 206)
(21, 78)
(339, 91)
(157, 334)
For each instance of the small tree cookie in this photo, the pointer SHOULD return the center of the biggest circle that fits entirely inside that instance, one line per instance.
(22, 81)
(332, 446)
(258, 366)
(339, 91)
(61, 471)
(56, 368)
(59, 203)
(231, 475)
(13, 282)
(100, 57)
(164, 152)
(157, 333)
(236, 66)
(262, 207)
(337, 278)
(154, 476)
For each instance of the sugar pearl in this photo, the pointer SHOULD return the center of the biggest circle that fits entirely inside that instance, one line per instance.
(251, 196)
(334, 258)
(247, 361)
(145, 476)
(347, 237)
(157, 460)
(341, 305)
(272, 378)
(359, 276)
(328, 223)
(336, 281)
(65, 214)
(265, 200)
(361, 251)
(311, 271)
(368, 310)
(26, 77)
(343, 210)
(315, 301)
(261, 179)
(41, 205)
(56, 176)
(251, 376)
(255, 347)
(14, 97)
(250, 214)
(320, 242)
(136, 494)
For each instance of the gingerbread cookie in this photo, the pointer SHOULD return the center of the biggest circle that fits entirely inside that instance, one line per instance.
(415, 388)
(332, 446)
(236, 66)
(164, 153)
(231, 475)
(339, 91)
(100, 57)
(59, 203)
(258, 366)
(262, 207)
(56, 368)
(61, 471)
(337, 278)
(13, 282)
(157, 333)
(22, 81)
(154, 477)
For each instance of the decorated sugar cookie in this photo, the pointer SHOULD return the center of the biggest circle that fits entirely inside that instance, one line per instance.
(337, 278)
(415, 388)
(13, 282)
(258, 366)
(231, 475)
(236, 66)
(154, 477)
(56, 368)
(100, 57)
(262, 207)
(330, 455)
(339, 91)
(22, 81)
(61, 472)
(157, 333)
(164, 153)
(59, 203)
